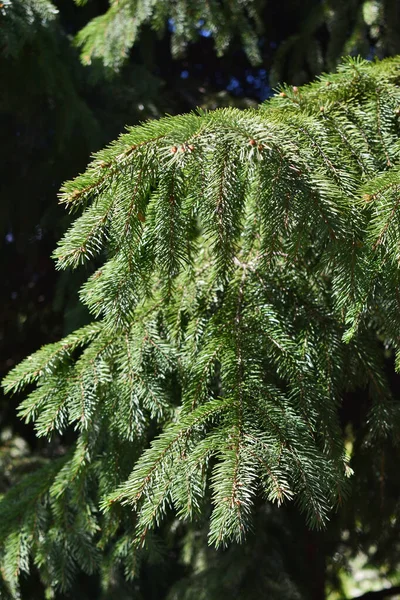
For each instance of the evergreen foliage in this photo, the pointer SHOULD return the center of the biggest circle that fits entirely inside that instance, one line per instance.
(247, 280)
(308, 36)
(327, 30)
(111, 35)
(305, 37)
(21, 22)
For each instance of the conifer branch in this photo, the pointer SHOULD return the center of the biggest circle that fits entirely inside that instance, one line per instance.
(249, 264)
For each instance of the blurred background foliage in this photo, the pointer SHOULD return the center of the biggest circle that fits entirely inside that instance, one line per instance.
(72, 76)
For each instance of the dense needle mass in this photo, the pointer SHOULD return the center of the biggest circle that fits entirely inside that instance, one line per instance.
(249, 278)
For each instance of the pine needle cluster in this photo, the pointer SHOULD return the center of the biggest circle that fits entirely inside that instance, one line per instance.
(111, 36)
(247, 279)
